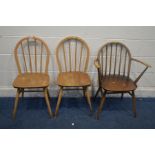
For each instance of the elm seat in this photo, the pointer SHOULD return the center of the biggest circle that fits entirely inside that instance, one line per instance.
(31, 80)
(73, 79)
(118, 83)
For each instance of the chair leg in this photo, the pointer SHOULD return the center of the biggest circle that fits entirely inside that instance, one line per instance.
(87, 94)
(16, 104)
(48, 93)
(47, 102)
(97, 93)
(122, 94)
(101, 105)
(134, 103)
(59, 101)
(22, 93)
(84, 95)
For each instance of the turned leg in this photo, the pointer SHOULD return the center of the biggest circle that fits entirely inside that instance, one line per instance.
(99, 89)
(84, 95)
(87, 94)
(48, 93)
(101, 104)
(47, 102)
(59, 101)
(134, 103)
(22, 93)
(16, 103)
(122, 94)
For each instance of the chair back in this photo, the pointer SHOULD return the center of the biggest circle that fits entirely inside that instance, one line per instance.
(114, 59)
(72, 54)
(32, 55)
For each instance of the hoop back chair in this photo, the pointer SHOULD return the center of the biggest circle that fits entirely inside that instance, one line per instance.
(114, 64)
(32, 58)
(72, 55)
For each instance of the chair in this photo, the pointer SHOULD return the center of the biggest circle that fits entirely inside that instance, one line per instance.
(72, 55)
(32, 59)
(113, 64)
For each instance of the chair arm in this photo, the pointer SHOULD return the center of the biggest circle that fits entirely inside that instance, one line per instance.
(141, 74)
(145, 64)
(96, 63)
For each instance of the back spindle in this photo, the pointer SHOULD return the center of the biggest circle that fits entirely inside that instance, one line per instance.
(29, 52)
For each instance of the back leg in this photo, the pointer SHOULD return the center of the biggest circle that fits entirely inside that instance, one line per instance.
(16, 103)
(87, 94)
(97, 93)
(122, 95)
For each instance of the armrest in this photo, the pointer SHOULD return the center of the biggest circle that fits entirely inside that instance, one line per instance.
(96, 63)
(141, 74)
(145, 64)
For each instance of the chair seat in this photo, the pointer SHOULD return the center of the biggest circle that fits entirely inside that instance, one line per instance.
(31, 80)
(118, 83)
(73, 79)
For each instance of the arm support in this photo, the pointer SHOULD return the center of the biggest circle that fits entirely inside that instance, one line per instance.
(96, 63)
(141, 74)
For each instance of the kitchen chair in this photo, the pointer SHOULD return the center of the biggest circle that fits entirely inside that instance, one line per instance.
(32, 59)
(113, 64)
(72, 55)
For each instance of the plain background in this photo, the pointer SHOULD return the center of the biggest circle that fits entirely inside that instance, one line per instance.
(140, 40)
(95, 12)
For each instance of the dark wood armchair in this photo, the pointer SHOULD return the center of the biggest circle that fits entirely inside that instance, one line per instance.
(113, 63)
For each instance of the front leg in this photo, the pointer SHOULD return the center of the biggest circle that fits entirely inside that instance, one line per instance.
(87, 95)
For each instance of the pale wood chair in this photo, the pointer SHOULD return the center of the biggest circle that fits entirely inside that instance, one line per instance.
(32, 58)
(72, 55)
(114, 64)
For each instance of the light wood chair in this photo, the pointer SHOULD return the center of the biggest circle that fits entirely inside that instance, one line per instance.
(32, 58)
(114, 64)
(72, 55)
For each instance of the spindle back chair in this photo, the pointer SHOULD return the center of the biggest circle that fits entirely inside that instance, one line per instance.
(114, 64)
(72, 55)
(32, 58)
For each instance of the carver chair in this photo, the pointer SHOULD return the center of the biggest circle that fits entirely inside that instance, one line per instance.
(72, 55)
(113, 64)
(32, 59)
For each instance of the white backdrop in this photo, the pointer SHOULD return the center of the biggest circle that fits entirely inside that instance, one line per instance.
(140, 40)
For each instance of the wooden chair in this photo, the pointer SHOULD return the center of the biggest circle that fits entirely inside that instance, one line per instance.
(113, 64)
(32, 59)
(72, 55)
